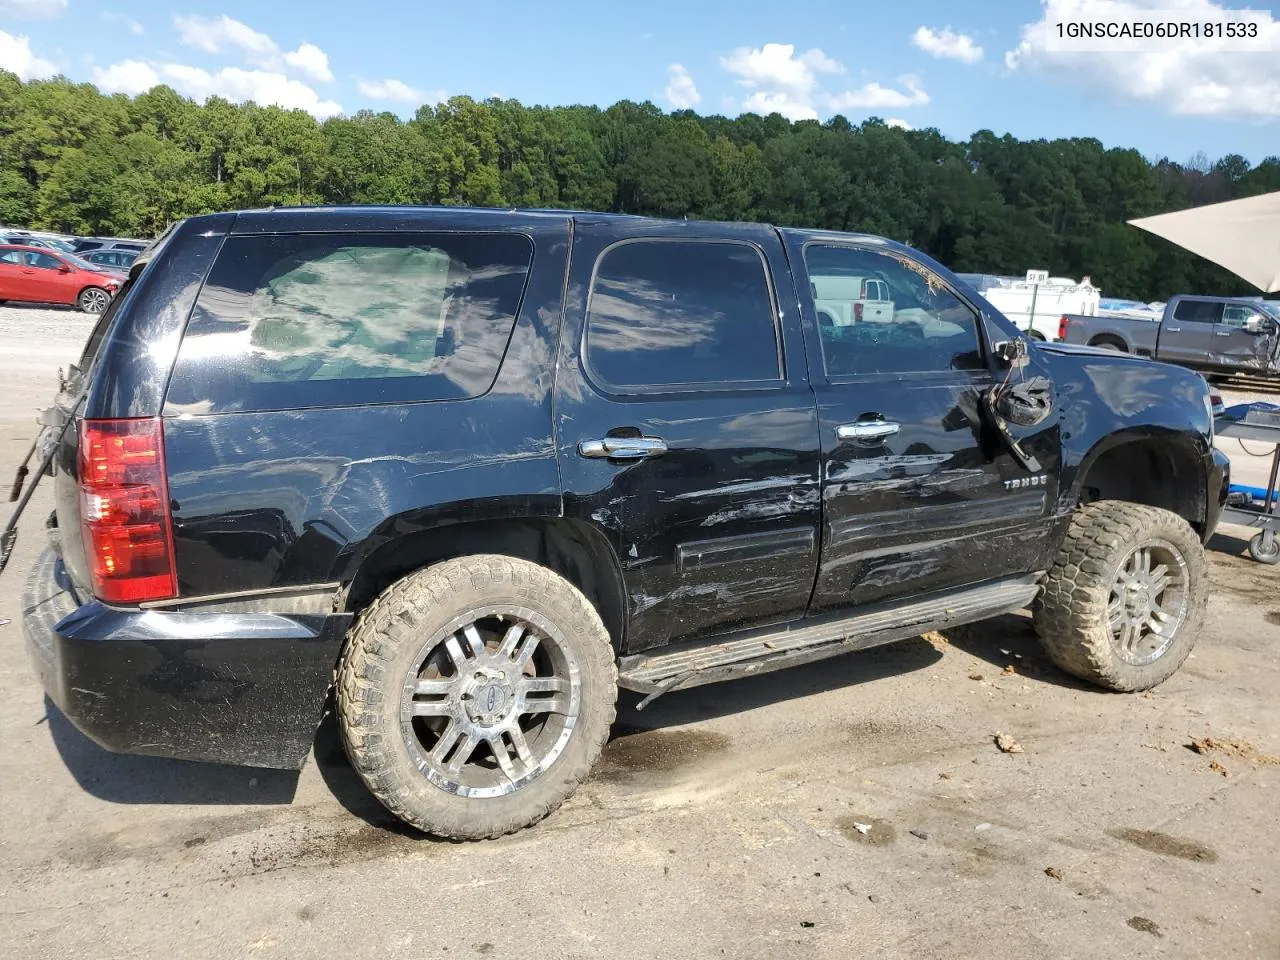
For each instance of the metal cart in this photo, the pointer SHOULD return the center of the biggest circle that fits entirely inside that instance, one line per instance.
(1263, 426)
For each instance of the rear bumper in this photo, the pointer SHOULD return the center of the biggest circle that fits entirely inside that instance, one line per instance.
(229, 687)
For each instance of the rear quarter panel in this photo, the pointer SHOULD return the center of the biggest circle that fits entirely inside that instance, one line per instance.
(294, 497)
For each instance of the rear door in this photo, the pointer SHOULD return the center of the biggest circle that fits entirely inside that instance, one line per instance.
(686, 429)
(918, 493)
(1185, 336)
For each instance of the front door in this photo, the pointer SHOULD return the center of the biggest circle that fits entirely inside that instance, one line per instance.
(919, 493)
(686, 429)
(1185, 337)
(1237, 348)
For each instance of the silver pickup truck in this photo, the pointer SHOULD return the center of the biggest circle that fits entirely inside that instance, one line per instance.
(1212, 334)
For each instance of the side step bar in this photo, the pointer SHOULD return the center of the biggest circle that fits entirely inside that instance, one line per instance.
(801, 641)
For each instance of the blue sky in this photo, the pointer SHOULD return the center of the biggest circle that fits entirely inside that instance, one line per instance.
(958, 67)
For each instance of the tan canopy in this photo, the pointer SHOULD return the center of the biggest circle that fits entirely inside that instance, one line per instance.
(1241, 235)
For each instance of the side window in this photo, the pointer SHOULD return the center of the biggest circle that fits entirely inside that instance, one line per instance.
(879, 312)
(11, 256)
(1235, 316)
(1197, 311)
(673, 313)
(304, 320)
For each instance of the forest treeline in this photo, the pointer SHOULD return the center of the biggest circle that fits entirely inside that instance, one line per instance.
(76, 160)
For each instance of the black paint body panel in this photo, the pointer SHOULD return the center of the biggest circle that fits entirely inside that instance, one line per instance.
(755, 515)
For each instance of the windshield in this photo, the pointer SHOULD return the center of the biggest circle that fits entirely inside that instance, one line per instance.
(1271, 308)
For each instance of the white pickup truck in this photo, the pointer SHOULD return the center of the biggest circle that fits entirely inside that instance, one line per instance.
(843, 301)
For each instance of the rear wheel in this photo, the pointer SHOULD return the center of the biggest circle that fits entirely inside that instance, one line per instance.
(1125, 599)
(93, 300)
(1108, 343)
(475, 695)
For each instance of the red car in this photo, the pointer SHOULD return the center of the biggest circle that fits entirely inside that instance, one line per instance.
(38, 275)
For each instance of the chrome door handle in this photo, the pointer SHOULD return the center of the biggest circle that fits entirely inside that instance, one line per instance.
(623, 448)
(866, 430)
(1172, 329)
(1222, 333)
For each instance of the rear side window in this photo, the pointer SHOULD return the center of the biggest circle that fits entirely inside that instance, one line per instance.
(305, 320)
(1197, 311)
(666, 314)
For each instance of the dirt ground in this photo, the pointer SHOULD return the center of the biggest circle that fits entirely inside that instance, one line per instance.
(855, 807)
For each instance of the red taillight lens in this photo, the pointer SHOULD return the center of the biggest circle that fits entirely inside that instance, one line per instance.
(857, 312)
(124, 510)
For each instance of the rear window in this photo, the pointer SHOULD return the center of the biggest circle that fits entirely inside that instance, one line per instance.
(1197, 311)
(305, 320)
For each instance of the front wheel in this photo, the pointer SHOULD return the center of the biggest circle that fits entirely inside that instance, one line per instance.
(1125, 599)
(475, 695)
(93, 300)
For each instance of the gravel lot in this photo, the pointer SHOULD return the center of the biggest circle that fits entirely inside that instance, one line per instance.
(723, 821)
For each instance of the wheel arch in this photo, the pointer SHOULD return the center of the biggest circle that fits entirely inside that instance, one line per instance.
(1109, 339)
(574, 550)
(1163, 469)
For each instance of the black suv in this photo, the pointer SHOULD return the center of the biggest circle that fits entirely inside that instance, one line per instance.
(470, 471)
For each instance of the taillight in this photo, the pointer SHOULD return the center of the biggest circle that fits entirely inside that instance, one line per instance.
(1062, 328)
(124, 510)
(857, 312)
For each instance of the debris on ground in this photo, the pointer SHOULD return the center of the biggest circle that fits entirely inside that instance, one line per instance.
(862, 828)
(919, 834)
(806, 923)
(1006, 743)
(1008, 668)
(975, 676)
(944, 776)
(1144, 925)
(1053, 872)
(937, 640)
(983, 826)
(1217, 767)
(1237, 749)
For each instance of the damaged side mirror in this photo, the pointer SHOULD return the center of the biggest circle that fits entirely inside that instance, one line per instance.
(1012, 353)
(1256, 324)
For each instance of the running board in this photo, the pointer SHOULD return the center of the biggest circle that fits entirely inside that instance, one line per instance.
(801, 641)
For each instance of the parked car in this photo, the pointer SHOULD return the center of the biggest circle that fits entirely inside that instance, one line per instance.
(486, 467)
(1218, 335)
(40, 275)
(108, 243)
(119, 259)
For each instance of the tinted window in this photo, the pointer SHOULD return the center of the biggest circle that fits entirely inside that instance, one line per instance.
(884, 313)
(670, 313)
(11, 256)
(324, 320)
(1197, 311)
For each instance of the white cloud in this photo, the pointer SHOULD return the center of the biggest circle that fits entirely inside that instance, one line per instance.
(217, 35)
(1186, 78)
(785, 83)
(944, 43)
(310, 61)
(681, 92)
(261, 86)
(898, 122)
(16, 57)
(391, 89)
(873, 96)
(33, 9)
(128, 76)
(225, 35)
(130, 24)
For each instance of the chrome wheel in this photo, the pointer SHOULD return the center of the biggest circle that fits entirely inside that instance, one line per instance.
(94, 300)
(491, 702)
(1148, 602)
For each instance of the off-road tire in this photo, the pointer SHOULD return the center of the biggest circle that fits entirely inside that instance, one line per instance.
(379, 652)
(1070, 614)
